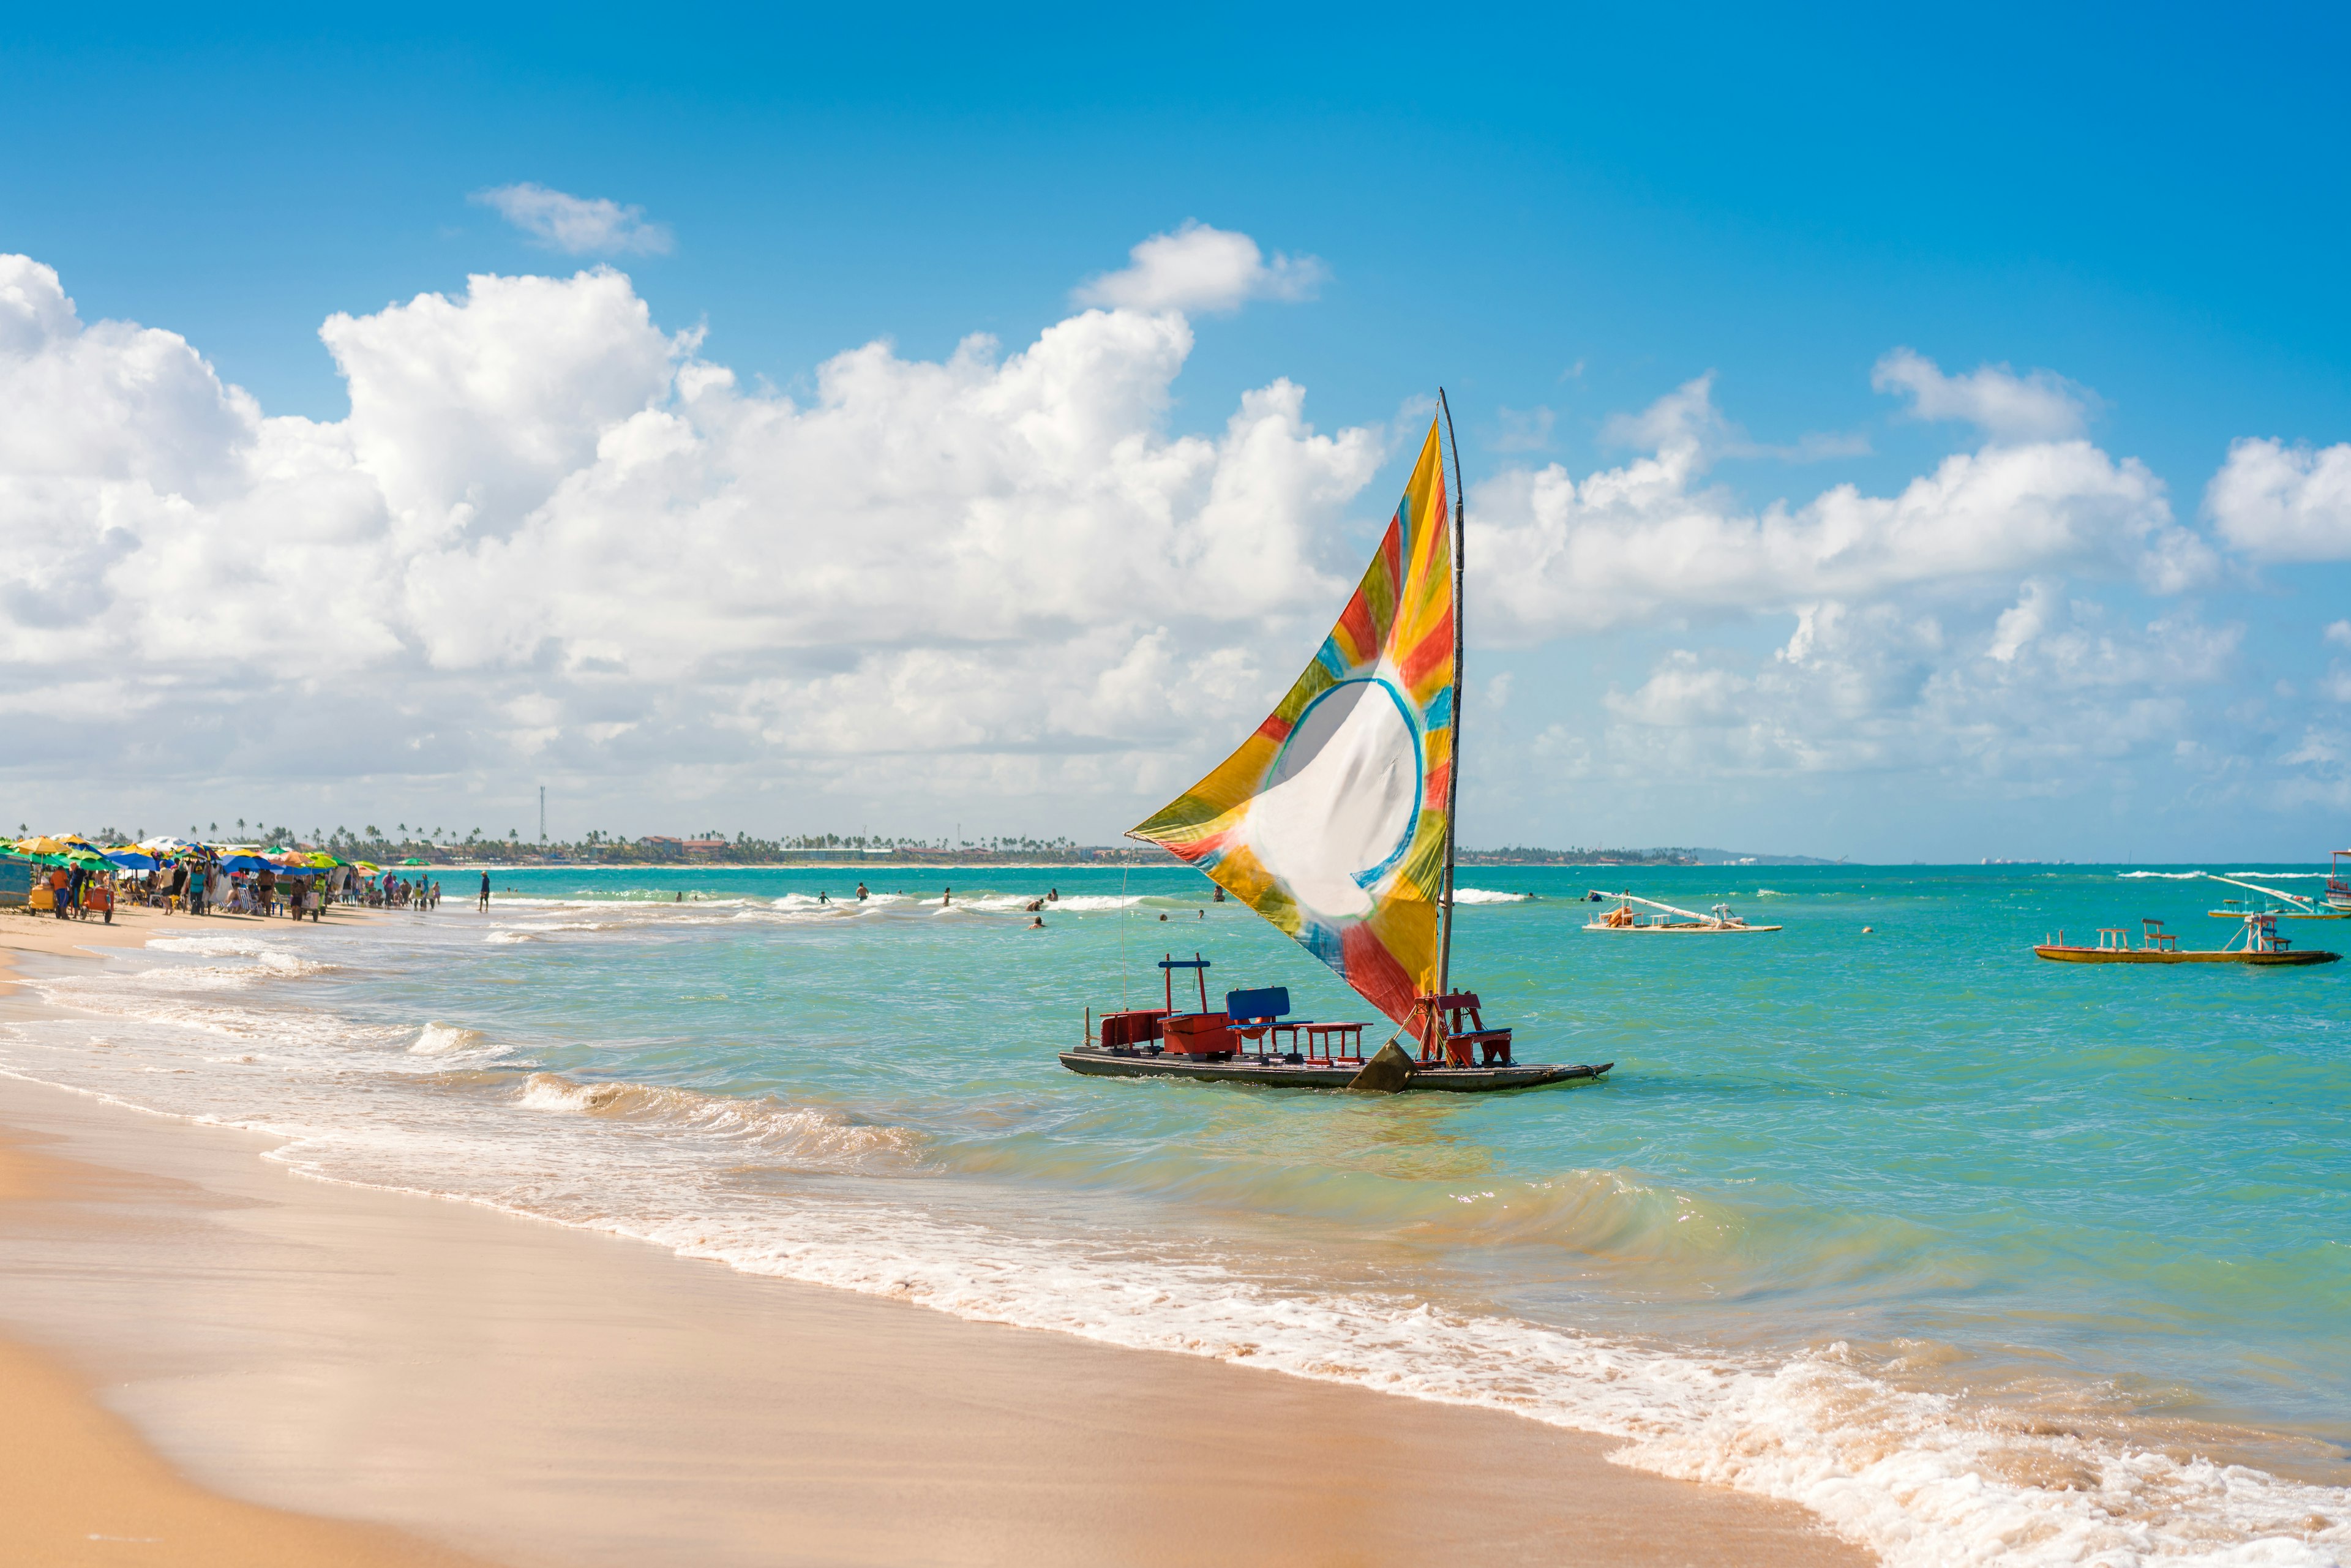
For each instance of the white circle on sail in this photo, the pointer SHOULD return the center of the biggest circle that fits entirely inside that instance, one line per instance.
(1342, 798)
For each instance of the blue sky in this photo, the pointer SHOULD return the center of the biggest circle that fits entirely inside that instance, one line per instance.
(1563, 215)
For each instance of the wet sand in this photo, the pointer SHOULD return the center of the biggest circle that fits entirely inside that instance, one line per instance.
(289, 1354)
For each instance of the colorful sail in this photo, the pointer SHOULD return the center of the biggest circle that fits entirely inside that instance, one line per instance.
(1330, 820)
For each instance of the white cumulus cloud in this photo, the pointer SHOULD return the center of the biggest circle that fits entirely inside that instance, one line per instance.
(1652, 539)
(551, 542)
(2281, 503)
(550, 536)
(577, 226)
(1200, 269)
(2040, 406)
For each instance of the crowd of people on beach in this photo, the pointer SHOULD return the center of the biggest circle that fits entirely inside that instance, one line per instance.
(72, 879)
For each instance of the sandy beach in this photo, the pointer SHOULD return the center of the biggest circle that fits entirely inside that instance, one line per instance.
(224, 1357)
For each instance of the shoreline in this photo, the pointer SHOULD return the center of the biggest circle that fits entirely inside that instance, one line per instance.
(536, 1393)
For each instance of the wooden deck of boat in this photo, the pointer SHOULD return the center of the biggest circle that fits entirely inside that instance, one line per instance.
(2156, 955)
(1096, 1062)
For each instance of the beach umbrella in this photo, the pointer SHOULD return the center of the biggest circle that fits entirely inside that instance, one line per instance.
(246, 863)
(164, 845)
(130, 858)
(415, 860)
(83, 856)
(42, 844)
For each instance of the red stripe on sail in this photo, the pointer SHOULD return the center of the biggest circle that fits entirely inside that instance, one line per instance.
(1428, 653)
(1374, 973)
(1357, 624)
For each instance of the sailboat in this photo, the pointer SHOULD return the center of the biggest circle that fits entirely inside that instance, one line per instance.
(1334, 821)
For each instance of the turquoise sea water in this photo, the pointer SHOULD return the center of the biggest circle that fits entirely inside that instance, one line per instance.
(1989, 1259)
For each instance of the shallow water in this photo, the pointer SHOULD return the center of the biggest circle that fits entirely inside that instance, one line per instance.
(1990, 1259)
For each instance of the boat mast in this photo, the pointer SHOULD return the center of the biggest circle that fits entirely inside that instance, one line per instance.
(1453, 770)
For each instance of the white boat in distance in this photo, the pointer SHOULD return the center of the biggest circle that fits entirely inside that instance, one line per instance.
(1672, 919)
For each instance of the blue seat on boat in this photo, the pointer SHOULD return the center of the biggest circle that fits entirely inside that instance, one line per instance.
(1256, 1014)
(1258, 1007)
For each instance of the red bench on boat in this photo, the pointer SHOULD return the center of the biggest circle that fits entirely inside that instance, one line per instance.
(1461, 1046)
(1138, 1027)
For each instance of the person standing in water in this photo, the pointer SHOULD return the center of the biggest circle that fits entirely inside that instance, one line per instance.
(485, 893)
(946, 898)
(861, 893)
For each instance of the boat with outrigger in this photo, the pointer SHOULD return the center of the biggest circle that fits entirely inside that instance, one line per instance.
(2282, 904)
(1669, 919)
(1335, 822)
(2262, 946)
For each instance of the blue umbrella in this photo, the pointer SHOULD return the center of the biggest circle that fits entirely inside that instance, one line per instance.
(132, 860)
(248, 862)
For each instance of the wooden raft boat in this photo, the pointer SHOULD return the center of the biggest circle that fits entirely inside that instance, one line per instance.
(1673, 920)
(1334, 821)
(1101, 1061)
(2282, 904)
(2262, 946)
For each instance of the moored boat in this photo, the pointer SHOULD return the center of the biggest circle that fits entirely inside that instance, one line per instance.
(2282, 904)
(1670, 919)
(2262, 945)
(1334, 821)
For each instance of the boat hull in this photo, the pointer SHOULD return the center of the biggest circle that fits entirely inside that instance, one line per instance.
(1681, 930)
(2142, 956)
(2239, 914)
(1096, 1062)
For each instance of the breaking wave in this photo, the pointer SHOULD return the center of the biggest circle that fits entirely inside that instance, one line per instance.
(1487, 896)
(447, 1040)
(810, 1135)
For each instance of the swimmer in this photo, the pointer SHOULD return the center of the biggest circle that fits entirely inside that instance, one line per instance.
(824, 898)
(947, 898)
(1034, 904)
(679, 899)
(861, 893)
(1054, 896)
(1220, 895)
(1038, 923)
(1162, 916)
